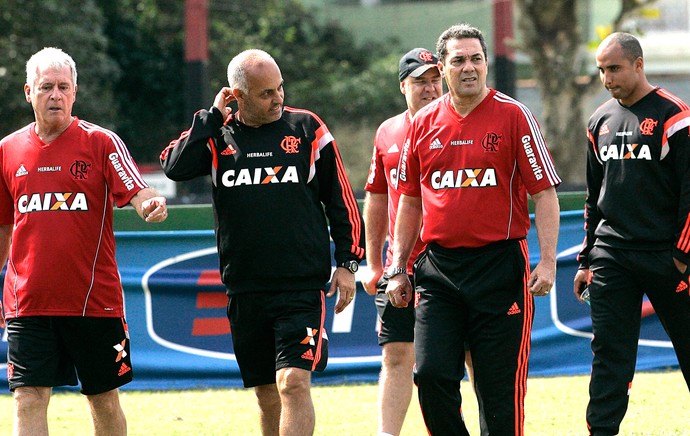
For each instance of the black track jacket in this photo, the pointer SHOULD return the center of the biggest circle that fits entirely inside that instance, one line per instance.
(638, 176)
(273, 187)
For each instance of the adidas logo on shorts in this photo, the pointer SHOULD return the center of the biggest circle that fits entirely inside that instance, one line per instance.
(308, 355)
(124, 369)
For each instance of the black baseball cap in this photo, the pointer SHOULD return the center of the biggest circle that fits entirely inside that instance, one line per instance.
(416, 62)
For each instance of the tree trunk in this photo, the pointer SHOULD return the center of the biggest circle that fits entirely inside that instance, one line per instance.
(552, 37)
(563, 126)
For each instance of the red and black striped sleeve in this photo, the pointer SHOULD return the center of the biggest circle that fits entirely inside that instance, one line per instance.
(676, 140)
(335, 192)
(191, 155)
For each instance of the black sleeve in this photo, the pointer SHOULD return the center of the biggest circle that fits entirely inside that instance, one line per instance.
(190, 156)
(345, 220)
(680, 148)
(595, 175)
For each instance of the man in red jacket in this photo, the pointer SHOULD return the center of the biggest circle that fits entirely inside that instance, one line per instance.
(59, 179)
(468, 163)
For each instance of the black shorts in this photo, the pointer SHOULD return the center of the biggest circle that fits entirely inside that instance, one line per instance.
(54, 351)
(275, 330)
(395, 324)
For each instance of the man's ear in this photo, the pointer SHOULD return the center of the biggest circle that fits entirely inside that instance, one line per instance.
(237, 92)
(27, 93)
(639, 63)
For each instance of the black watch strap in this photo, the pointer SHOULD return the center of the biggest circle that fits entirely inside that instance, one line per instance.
(350, 265)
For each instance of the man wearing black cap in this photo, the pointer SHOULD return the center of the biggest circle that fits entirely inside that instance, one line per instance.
(420, 83)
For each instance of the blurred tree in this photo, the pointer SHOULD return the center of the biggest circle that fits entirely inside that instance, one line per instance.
(324, 70)
(129, 54)
(552, 37)
(76, 26)
(146, 40)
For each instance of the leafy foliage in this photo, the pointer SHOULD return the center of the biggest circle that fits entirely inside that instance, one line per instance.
(553, 39)
(76, 26)
(323, 69)
(146, 41)
(130, 59)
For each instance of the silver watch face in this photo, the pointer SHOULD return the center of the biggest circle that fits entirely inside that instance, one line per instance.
(351, 266)
(392, 272)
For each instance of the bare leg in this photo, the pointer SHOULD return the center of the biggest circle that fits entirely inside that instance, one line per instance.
(31, 411)
(297, 417)
(106, 412)
(469, 368)
(269, 409)
(395, 386)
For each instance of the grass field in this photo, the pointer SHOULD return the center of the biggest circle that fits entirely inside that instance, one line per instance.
(659, 406)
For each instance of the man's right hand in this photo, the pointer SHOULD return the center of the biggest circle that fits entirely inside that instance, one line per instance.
(581, 280)
(223, 98)
(399, 290)
(371, 278)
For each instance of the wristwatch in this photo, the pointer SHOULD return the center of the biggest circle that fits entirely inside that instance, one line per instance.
(392, 272)
(350, 265)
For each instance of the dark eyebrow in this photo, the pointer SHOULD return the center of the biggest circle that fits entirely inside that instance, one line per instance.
(462, 56)
(607, 67)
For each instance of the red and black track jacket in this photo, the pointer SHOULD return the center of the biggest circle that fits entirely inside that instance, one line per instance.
(638, 176)
(273, 189)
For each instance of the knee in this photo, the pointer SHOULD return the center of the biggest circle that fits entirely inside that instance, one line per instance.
(267, 395)
(106, 404)
(424, 378)
(398, 356)
(30, 399)
(428, 375)
(293, 381)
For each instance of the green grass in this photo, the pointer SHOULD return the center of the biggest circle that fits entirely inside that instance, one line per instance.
(554, 407)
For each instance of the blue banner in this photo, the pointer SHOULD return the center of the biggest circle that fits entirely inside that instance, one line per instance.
(180, 336)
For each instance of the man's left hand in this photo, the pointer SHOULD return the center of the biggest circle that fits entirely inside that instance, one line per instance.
(542, 279)
(154, 210)
(680, 266)
(342, 282)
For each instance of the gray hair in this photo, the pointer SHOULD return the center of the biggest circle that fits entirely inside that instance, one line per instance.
(49, 57)
(458, 31)
(237, 68)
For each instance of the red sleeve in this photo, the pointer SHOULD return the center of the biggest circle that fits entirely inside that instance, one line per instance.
(408, 166)
(121, 172)
(376, 180)
(533, 157)
(7, 208)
